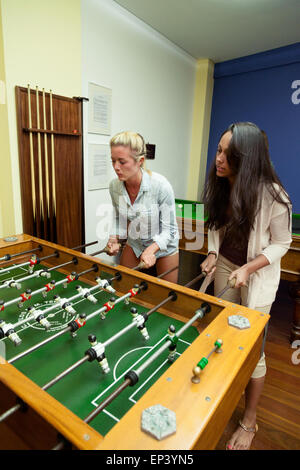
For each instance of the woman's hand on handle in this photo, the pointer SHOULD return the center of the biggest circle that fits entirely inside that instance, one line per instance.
(241, 276)
(113, 247)
(209, 264)
(148, 256)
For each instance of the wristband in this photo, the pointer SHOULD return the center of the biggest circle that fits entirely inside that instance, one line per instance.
(212, 253)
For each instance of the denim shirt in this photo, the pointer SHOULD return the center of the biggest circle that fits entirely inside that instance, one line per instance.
(151, 218)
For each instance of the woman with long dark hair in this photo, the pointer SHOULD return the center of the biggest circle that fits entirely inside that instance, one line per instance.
(249, 231)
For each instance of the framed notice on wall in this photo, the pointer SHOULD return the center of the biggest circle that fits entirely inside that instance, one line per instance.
(99, 173)
(99, 109)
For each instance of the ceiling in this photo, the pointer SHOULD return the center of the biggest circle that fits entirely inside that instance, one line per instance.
(221, 29)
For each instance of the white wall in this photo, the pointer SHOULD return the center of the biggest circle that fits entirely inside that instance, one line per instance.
(152, 83)
(42, 47)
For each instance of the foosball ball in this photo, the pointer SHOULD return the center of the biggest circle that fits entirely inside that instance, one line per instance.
(94, 356)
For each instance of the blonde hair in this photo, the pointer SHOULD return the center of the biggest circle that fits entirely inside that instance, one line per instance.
(134, 141)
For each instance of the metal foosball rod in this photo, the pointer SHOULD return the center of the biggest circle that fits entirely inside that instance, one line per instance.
(97, 351)
(65, 304)
(33, 261)
(8, 329)
(73, 326)
(112, 303)
(28, 294)
(197, 370)
(160, 276)
(10, 283)
(172, 297)
(205, 308)
(230, 285)
(141, 265)
(132, 377)
(70, 328)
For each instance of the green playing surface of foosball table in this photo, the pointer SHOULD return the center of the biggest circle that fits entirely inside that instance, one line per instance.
(88, 385)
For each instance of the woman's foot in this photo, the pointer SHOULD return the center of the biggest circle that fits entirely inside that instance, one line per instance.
(243, 436)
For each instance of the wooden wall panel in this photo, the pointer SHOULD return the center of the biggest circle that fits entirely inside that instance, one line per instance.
(54, 214)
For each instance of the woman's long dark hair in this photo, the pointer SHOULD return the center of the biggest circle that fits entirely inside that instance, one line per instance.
(249, 160)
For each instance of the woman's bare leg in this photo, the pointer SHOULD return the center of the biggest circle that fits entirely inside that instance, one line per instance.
(241, 439)
(128, 257)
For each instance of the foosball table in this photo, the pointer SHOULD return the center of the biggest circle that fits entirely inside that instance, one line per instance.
(95, 356)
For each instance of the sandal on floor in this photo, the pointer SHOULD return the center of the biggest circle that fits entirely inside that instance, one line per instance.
(247, 429)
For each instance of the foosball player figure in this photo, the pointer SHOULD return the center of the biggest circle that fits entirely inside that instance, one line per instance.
(25, 296)
(11, 283)
(70, 278)
(64, 304)
(34, 260)
(109, 306)
(39, 317)
(67, 306)
(140, 321)
(44, 273)
(134, 291)
(104, 284)
(49, 287)
(7, 329)
(97, 351)
(174, 340)
(74, 325)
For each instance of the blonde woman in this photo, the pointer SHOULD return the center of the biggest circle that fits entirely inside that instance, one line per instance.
(144, 209)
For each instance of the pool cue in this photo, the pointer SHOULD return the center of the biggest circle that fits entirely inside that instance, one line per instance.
(32, 172)
(46, 165)
(41, 195)
(132, 377)
(53, 170)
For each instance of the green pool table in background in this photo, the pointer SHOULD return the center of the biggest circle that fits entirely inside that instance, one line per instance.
(194, 209)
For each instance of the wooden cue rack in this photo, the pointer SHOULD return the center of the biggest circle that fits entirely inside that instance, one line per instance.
(202, 410)
(51, 165)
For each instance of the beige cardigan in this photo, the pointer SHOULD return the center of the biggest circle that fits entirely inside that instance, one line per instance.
(271, 236)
